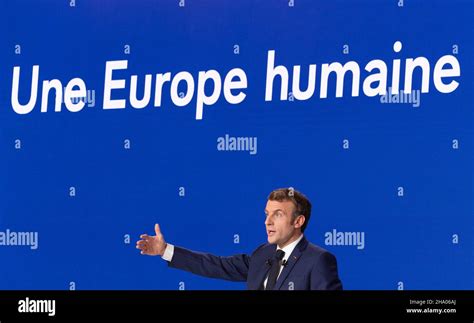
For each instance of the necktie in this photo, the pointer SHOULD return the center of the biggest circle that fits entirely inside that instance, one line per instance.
(274, 269)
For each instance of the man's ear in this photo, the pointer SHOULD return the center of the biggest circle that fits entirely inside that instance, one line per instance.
(300, 220)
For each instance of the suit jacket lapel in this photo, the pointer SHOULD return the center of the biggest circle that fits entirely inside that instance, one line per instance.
(292, 260)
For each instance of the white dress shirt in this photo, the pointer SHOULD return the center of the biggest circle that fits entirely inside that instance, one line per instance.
(169, 251)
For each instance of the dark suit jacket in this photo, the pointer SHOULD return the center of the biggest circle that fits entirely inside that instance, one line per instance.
(308, 267)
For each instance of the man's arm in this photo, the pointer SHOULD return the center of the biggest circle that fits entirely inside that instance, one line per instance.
(324, 275)
(234, 268)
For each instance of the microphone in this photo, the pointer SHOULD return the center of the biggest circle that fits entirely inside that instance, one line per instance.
(284, 263)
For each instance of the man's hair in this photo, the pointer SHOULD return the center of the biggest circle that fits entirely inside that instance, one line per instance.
(301, 202)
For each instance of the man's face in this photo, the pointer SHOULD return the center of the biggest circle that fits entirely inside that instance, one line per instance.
(279, 222)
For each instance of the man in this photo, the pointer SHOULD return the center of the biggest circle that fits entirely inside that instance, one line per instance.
(287, 262)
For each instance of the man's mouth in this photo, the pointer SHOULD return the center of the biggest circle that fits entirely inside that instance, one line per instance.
(270, 232)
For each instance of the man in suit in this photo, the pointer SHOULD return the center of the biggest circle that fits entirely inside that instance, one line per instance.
(287, 262)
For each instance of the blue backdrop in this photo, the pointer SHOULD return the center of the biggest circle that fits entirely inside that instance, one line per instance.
(89, 183)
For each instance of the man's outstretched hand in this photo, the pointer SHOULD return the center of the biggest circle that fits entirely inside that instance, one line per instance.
(152, 245)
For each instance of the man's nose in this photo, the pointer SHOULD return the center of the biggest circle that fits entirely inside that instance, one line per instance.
(268, 220)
